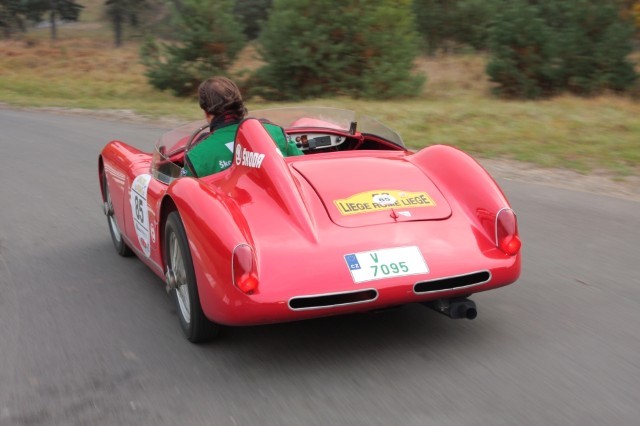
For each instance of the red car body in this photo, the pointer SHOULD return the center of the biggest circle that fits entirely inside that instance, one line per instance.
(277, 239)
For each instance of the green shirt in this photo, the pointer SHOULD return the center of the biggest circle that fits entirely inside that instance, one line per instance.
(215, 153)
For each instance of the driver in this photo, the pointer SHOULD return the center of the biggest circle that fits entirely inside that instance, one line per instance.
(224, 109)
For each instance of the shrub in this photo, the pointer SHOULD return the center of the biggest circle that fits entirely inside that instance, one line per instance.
(473, 22)
(208, 40)
(576, 45)
(595, 46)
(252, 14)
(434, 22)
(523, 60)
(443, 23)
(315, 48)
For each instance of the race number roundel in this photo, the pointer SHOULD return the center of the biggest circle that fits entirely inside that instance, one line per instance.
(140, 212)
(384, 199)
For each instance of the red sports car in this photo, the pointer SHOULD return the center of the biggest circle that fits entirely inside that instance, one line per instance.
(358, 223)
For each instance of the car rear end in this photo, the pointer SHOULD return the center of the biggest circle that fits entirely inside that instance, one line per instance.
(376, 240)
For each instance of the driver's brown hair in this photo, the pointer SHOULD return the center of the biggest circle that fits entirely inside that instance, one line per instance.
(219, 95)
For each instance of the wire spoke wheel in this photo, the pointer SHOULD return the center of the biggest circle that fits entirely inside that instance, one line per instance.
(182, 287)
(113, 225)
(181, 281)
(114, 229)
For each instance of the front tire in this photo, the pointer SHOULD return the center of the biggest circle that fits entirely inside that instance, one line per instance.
(181, 279)
(116, 236)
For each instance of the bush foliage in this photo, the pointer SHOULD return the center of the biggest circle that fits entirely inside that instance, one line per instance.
(208, 40)
(366, 48)
(543, 47)
(450, 24)
(359, 48)
(523, 54)
(252, 14)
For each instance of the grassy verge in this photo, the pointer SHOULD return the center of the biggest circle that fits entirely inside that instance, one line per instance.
(600, 133)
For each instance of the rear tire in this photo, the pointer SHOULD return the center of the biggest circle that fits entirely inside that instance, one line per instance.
(184, 289)
(116, 236)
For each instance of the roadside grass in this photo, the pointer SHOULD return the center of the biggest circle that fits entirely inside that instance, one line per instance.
(456, 108)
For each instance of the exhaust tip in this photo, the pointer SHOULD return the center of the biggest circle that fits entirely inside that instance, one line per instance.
(471, 313)
(454, 308)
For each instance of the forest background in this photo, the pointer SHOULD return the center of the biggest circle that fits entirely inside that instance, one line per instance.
(526, 80)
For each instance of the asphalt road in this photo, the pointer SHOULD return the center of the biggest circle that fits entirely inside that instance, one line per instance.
(90, 338)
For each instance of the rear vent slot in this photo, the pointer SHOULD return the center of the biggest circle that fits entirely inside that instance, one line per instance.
(332, 300)
(452, 283)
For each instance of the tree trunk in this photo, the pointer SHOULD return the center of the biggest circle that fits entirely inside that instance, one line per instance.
(117, 29)
(52, 19)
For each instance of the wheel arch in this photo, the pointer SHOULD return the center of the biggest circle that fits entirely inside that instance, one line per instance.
(101, 177)
(167, 205)
(465, 184)
(213, 227)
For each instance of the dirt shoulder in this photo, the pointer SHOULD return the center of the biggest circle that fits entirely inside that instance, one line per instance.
(598, 183)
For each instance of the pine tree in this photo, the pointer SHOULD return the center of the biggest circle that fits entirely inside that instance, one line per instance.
(595, 44)
(446, 23)
(389, 48)
(208, 40)
(523, 53)
(472, 22)
(121, 12)
(67, 10)
(315, 48)
(542, 47)
(434, 21)
(252, 14)
(11, 17)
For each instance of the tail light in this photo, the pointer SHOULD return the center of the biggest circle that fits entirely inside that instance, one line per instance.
(243, 269)
(507, 238)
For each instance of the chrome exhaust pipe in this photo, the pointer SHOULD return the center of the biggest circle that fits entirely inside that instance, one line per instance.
(454, 308)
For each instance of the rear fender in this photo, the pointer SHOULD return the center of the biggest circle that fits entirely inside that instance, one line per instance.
(214, 226)
(466, 184)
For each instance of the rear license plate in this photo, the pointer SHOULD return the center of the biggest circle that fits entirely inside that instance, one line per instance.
(385, 263)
